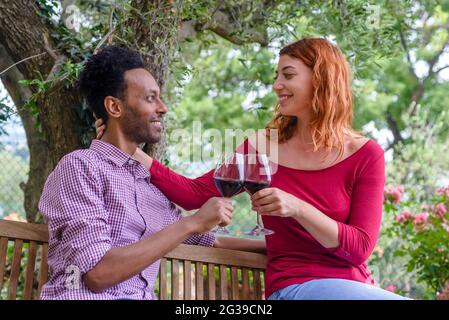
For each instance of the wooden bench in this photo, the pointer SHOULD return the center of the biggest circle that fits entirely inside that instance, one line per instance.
(186, 273)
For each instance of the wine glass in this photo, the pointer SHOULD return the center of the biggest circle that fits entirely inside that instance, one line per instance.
(257, 177)
(228, 178)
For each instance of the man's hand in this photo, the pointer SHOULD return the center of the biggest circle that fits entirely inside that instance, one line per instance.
(216, 211)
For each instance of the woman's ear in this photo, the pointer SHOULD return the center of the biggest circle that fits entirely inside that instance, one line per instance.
(113, 106)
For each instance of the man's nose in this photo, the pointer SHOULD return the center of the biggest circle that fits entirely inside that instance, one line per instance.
(162, 108)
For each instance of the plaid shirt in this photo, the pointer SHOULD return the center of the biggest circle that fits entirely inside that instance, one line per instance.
(97, 199)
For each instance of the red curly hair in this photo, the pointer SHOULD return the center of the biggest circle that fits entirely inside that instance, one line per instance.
(332, 111)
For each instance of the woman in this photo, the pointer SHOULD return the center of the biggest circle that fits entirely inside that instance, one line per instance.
(325, 200)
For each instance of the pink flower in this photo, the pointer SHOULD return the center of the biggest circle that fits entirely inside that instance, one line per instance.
(394, 194)
(391, 288)
(420, 221)
(440, 209)
(421, 218)
(404, 217)
(444, 191)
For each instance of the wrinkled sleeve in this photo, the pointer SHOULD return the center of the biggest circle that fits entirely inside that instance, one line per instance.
(205, 239)
(188, 193)
(72, 204)
(359, 235)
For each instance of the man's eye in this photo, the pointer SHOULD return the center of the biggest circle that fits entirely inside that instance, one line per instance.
(150, 98)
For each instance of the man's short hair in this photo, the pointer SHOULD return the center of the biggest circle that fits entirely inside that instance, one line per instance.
(103, 75)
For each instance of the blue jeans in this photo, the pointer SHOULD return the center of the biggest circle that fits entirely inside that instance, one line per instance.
(334, 289)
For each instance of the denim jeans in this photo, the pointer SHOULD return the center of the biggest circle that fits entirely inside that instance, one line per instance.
(334, 289)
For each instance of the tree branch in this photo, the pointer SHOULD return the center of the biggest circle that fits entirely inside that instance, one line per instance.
(228, 26)
(419, 91)
(394, 127)
(407, 53)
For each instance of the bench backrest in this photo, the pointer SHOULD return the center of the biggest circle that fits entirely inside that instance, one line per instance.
(187, 272)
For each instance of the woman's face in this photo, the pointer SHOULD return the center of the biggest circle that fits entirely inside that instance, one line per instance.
(293, 86)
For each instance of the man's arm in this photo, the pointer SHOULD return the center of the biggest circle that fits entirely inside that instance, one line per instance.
(122, 263)
(251, 245)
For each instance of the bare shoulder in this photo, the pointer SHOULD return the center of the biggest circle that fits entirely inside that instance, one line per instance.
(354, 143)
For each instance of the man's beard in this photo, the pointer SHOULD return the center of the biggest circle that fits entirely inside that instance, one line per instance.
(138, 129)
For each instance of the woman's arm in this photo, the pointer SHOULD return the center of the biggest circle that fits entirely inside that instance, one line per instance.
(188, 193)
(251, 245)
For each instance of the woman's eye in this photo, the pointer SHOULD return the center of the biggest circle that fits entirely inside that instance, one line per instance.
(288, 76)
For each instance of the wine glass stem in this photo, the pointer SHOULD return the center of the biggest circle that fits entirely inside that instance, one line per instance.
(259, 221)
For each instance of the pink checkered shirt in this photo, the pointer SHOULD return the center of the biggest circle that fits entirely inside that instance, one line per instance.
(97, 199)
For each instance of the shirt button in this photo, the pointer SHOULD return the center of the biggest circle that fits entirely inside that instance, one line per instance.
(131, 162)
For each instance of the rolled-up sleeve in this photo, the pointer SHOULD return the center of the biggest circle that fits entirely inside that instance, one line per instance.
(72, 204)
(205, 239)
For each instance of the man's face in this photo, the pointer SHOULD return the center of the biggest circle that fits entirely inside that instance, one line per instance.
(144, 110)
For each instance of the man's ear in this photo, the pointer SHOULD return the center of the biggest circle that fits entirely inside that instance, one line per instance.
(113, 106)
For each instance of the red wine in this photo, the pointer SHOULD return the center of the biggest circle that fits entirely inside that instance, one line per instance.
(254, 186)
(228, 187)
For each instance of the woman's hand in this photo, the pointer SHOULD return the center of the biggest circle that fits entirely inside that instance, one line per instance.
(143, 158)
(275, 202)
(100, 127)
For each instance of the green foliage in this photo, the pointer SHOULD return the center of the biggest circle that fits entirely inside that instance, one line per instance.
(424, 232)
(5, 112)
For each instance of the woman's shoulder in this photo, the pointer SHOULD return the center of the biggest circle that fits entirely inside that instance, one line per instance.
(366, 152)
(367, 146)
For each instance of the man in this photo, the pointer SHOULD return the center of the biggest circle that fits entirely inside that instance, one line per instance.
(108, 224)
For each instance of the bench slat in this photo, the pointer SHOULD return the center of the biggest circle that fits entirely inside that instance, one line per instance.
(15, 269)
(163, 279)
(3, 252)
(234, 283)
(29, 275)
(218, 256)
(175, 279)
(223, 283)
(43, 274)
(187, 280)
(211, 280)
(24, 231)
(199, 290)
(245, 283)
(257, 284)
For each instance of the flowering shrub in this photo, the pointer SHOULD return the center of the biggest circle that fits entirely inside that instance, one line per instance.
(424, 229)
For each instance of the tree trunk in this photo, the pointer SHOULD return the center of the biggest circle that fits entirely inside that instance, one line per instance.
(156, 25)
(38, 149)
(23, 35)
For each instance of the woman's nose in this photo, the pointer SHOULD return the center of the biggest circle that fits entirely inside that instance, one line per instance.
(277, 85)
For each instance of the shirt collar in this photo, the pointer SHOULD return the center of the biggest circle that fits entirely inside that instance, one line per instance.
(111, 152)
(118, 157)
